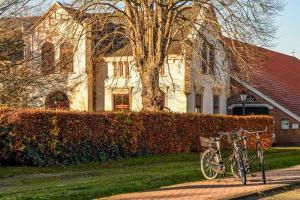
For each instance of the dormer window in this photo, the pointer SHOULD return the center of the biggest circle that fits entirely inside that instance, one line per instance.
(121, 69)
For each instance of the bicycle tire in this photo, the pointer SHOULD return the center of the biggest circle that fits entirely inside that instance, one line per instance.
(241, 166)
(205, 161)
(262, 165)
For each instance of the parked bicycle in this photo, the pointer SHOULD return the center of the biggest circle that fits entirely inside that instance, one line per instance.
(259, 153)
(212, 163)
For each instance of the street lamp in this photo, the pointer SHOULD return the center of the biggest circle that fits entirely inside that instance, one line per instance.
(243, 97)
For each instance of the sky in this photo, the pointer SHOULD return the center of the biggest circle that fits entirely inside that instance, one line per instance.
(288, 34)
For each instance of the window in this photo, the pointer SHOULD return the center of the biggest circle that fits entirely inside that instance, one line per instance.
(285, 124)
(295, 126)
(121, 69)
(115, 66)
(57, 100)
(212, 58)
(216, 104)
(198, 102)
(127, 72)
(121, 102)
(204, 55)
(208, 58)
(48, 58)
(66, 57)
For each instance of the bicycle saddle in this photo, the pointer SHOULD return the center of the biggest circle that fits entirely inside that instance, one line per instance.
(215, 139)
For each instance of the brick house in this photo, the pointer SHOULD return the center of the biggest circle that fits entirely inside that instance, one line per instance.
(274, 90)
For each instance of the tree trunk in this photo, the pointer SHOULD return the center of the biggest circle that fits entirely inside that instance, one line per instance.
(152, 95)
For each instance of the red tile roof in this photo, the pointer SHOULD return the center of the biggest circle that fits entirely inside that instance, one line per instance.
(279, 79)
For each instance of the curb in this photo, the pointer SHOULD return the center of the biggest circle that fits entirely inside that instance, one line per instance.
(259, 194)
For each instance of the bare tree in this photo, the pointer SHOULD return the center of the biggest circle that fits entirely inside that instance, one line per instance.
(149, 28)
(152, 26)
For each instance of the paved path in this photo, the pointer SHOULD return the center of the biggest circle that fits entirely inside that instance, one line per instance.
(223, 189)
(290, 195)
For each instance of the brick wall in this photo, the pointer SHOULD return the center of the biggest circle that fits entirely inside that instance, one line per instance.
(283, 137)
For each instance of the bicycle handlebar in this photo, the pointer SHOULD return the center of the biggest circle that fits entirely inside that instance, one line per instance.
(254, 132)
(224, 134)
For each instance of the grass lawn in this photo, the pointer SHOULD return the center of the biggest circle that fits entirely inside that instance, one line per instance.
(93, 180)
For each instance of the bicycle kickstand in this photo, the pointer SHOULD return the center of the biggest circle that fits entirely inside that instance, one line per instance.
(222, 178)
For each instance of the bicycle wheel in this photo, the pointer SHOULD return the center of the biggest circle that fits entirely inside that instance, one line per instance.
(209, 164)
(234, 169)
(262, 165)
(241, 168)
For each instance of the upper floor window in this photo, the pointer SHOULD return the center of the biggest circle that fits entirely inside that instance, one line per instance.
(48, 58)
(204, 56)
(216, 104)
(285, 124)
(208, 58)
(198, 102)
(121, 69)
(66, 57)
(212, 59)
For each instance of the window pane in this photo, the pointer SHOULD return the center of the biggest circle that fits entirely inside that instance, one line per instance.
(127, 69)
(115, 69)
(121, 74)
(198, 102)
(216, 109)
(48, 58)
(121, 102)
(212, 59)
(285, 124)
(204, 57)
(66, 57)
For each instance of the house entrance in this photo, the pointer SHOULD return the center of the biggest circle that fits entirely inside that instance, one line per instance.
(250, 110)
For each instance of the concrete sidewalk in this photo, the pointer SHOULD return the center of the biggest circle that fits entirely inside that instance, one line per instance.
(219, 189)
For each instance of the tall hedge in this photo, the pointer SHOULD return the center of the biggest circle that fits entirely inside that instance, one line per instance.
(43, 137)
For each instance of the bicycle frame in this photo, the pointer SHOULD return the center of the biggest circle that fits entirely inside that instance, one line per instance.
(222, 164)
(249, 162)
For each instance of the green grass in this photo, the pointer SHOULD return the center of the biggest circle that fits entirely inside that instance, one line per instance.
(88, 181)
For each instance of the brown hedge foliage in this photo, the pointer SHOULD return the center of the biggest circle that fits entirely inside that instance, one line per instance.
(43, 137)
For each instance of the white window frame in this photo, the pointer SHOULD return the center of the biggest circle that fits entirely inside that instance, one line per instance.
(285, 124)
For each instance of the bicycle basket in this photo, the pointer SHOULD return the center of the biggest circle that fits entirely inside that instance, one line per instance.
(232, 137)
(205, 142)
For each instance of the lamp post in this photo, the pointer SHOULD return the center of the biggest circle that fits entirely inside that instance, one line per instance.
(243, 97)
